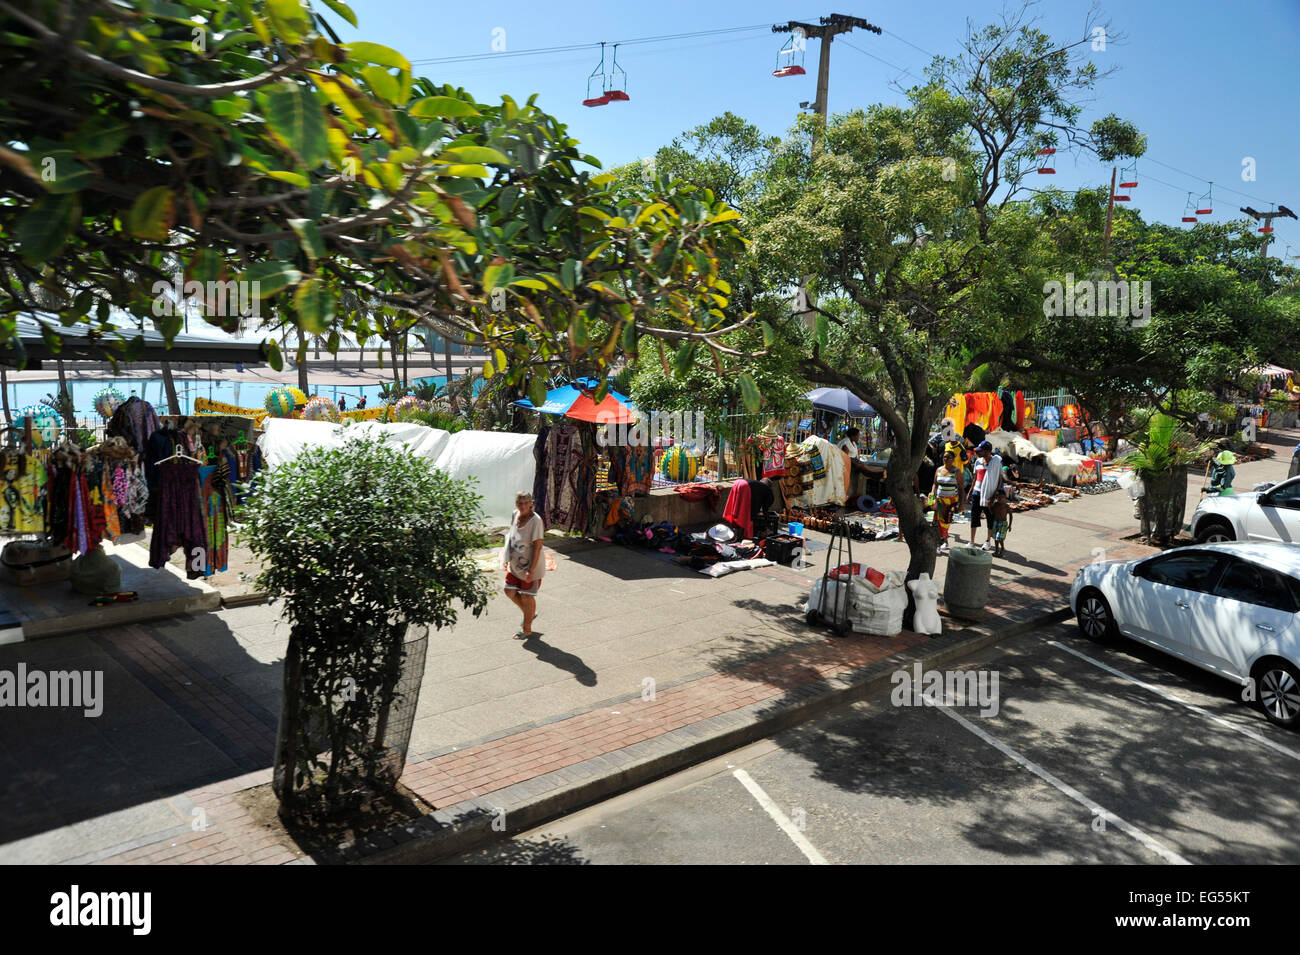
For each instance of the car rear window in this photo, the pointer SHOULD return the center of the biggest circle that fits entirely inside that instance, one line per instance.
(1262, 586)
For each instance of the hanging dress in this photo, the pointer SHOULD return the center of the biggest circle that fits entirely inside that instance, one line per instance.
(178, 516)
(212, 492)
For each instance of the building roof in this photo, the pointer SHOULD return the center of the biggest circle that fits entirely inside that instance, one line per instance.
(84, 342)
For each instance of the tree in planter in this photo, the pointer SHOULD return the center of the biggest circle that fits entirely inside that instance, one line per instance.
(1160, 459)
(360, 542)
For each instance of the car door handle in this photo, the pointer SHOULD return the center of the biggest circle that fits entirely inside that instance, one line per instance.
(1183, 605)
(1264, 626)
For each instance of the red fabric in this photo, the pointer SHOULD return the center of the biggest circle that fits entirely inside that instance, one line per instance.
(737, 511)
(699, 492)
(609, 411)
(1020, 411)
(995, 413)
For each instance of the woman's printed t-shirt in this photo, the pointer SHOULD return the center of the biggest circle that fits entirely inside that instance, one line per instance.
(519, 547)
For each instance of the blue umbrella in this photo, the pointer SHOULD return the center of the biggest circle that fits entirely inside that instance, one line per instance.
(841, 401)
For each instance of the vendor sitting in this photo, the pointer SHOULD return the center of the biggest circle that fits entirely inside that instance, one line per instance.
(1222, 473)
(849, 445)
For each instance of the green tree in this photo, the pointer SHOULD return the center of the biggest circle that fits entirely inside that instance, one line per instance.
(908, 221)
(237, 140)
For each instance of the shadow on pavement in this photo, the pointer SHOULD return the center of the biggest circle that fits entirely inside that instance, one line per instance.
(184, 705)
(560, 659)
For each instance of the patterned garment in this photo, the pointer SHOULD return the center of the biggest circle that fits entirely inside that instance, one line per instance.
(638, 471)
(774, 458)
(212, 492)
(178, 516)
(565, 491)
(134, 420)
(22, 495)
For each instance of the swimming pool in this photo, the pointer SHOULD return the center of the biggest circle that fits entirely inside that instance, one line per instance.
(243, 395)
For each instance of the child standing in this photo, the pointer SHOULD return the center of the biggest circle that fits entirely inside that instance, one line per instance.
(1001, 515)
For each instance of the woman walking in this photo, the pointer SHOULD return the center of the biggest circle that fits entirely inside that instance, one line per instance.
(522, 560)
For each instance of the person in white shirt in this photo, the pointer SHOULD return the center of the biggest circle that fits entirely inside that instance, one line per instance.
(988, 478)
(523, 561)
(849, 445)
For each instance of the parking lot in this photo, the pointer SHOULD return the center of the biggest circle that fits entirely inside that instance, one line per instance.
(1097, 754)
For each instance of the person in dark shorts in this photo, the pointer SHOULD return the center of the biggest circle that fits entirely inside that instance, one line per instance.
(1000, 517)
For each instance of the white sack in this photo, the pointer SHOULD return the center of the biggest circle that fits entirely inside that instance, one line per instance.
(502, 464)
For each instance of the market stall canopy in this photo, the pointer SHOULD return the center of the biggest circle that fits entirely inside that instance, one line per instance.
(576, 400)
(841, 401)
(87, 343)
(1270, 371)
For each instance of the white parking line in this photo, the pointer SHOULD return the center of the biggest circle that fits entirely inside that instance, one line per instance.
(1159, 691)
(764, 800)
(1097, 809)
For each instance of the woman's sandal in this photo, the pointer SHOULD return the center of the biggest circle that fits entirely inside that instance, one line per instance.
(520, 635)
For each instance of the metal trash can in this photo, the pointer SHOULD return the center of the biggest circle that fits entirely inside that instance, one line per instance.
(966, 585)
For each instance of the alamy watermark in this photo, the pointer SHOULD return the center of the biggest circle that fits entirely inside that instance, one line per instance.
(684, 428)
(946, 688)
(1088, 297)
(79, 689)
(224, 299)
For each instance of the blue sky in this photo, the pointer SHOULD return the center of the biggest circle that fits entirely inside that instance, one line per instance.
(1210, 83)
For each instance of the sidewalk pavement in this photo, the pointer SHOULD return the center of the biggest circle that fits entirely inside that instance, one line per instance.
(507, 732)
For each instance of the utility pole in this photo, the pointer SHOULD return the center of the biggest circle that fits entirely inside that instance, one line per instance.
(1267, 227)
(1110, 208)
(826, 31)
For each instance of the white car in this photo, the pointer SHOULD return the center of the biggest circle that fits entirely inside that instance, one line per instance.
(1232, 609)
(1272, 515)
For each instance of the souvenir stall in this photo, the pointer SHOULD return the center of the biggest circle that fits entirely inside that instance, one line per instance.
(176, 474)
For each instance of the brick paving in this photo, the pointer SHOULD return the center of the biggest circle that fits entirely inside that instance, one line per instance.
(578, 743)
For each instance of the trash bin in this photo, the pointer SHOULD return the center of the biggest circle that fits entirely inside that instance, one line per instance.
(966, 586)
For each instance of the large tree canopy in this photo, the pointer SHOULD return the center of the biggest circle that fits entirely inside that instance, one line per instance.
(238, 140)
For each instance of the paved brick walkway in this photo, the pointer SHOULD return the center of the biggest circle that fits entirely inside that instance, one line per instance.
(579, 745)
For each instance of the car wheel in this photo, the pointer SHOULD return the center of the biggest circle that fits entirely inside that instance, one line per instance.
(1214, 532)
(1277, 686)
(1095, 619)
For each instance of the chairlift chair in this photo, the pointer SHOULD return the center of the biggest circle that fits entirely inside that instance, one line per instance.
(1206, 202)
(1044, 169)
(1130, 175)
(785, 59)
(1188, 209)
(603, 98)
(616, 88)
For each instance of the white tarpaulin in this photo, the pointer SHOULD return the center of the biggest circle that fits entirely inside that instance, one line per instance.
(502, 464)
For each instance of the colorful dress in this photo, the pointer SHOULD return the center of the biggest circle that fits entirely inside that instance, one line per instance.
(212, 491)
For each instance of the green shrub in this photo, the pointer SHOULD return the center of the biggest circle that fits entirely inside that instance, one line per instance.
(358, 542)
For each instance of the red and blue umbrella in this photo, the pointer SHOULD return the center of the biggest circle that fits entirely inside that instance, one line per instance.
(576, 400)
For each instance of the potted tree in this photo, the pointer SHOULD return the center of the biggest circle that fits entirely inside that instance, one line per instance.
(1160, 458)
(368, 546)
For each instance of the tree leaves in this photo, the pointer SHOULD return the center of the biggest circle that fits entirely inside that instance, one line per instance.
(45, 228)
(315, 306)
(152, 214)
(309, 238)
(294, 120)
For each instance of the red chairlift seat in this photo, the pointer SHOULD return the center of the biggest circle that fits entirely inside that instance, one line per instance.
(1267, 228)
(617, 95)
(1131, 174)
(1207, 201)
(1187, 211)
(1190, 219)
(1044, 169)
(1121, 198)
(596, 101)
(795, 70)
